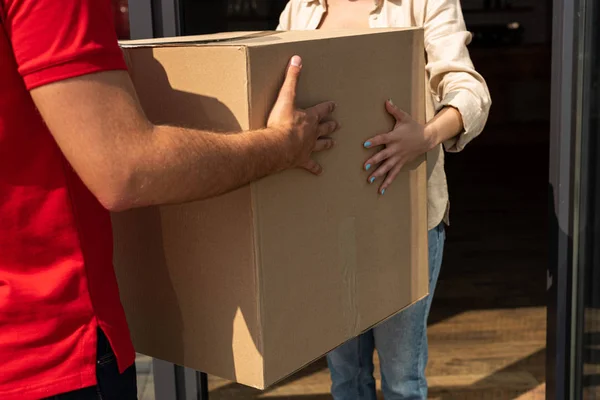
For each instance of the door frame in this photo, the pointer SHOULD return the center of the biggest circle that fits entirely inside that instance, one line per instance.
(568, 199)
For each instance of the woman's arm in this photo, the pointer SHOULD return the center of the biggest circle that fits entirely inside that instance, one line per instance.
(445, 126)
(453, 80)
(461, 98)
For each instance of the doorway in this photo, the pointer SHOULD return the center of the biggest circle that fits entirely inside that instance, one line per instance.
(513, 316)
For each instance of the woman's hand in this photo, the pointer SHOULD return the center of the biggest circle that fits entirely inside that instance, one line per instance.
(407, 141)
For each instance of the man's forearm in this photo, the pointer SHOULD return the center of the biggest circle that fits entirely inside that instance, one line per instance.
(126, 161)
(178, 165)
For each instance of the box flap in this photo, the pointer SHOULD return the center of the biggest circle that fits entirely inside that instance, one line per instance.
(196, 40)
(253, 38)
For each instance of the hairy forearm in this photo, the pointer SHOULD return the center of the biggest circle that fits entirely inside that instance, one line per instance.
(176, 165)
(127, 162)
(444, 126)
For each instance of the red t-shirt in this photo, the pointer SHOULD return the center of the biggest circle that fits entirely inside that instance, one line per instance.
(57, 282)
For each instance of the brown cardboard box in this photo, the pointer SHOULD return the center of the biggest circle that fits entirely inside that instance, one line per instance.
(254, 285)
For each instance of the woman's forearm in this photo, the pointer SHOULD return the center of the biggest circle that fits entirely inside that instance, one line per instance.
(444, 126)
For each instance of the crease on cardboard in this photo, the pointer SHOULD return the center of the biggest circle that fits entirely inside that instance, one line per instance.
(128, 61)
(349, 265)
(256, 237)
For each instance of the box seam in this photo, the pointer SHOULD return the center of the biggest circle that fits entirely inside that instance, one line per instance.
(256, 231)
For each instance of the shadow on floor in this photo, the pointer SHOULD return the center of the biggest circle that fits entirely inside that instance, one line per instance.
(530, 368)
(533, 375)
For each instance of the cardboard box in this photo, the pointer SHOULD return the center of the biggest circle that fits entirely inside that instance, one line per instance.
(254, 285)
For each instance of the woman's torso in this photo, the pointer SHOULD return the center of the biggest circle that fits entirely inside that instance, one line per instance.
(346, 14)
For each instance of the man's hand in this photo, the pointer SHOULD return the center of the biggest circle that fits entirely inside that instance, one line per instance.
(306, 130)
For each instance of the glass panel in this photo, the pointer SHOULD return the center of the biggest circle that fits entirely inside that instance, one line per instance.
(587, 291)
(145, 377)
(121, 17)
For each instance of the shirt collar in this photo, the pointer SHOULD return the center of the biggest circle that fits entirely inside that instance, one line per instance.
(376, 3)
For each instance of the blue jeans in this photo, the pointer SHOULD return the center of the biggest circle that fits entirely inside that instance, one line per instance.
(401, 343)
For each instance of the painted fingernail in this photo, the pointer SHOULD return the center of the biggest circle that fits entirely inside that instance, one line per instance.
(382, 192)
(368, 167)
(367, 144)
(372, 179)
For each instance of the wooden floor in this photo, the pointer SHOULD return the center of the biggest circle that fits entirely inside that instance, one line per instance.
(487, 325)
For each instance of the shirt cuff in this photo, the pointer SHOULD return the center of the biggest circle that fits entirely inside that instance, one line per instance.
(81, 65)
(472, 116)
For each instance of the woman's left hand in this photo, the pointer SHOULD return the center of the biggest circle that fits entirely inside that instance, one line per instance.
(407, 141)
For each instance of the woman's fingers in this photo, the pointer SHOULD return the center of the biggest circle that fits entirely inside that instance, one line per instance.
(383, 169)
(391, 176)
(378, 140)
(394, 111)
(378, 158)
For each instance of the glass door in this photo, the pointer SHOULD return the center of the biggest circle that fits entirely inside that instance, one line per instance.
(573, 370)
(585, 372)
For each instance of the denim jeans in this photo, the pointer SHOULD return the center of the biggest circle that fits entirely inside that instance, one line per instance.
(401, 344)
(111, 384)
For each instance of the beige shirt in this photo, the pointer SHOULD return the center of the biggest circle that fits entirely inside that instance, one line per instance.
(451, 77)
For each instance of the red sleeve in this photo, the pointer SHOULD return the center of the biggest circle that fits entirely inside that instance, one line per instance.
(53, 40)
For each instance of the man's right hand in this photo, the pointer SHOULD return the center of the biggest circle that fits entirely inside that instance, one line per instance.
(305, 131)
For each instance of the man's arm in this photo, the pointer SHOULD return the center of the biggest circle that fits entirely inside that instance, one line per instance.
(128, 162)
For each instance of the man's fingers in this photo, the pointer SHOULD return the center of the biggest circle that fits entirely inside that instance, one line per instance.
(327, 128)
(378, 140)
(287, 94)
(323, 110)
(313, 167)
(324, 144)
